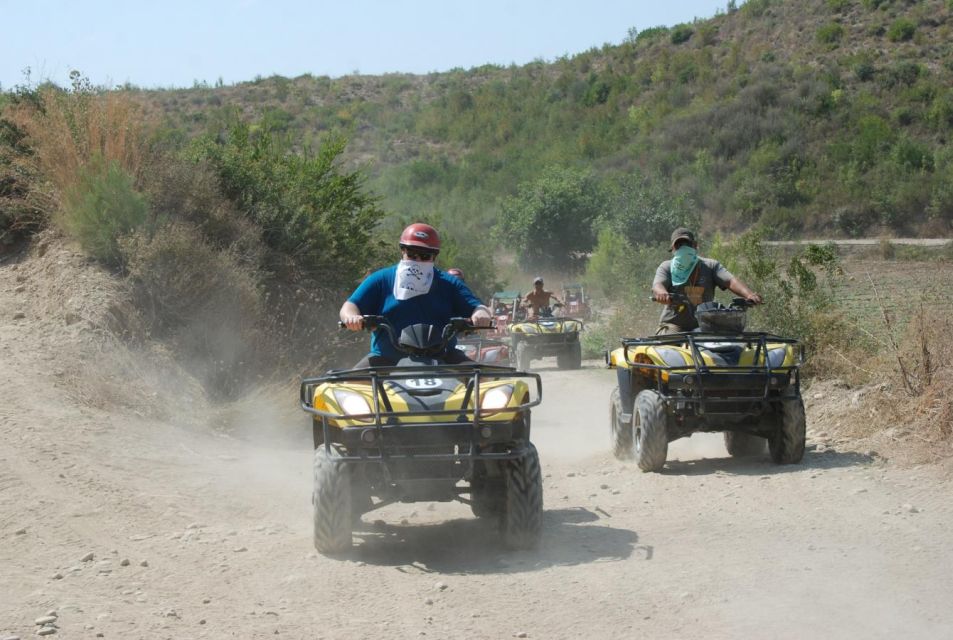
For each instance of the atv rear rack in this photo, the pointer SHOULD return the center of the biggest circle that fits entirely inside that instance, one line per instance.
(701, 389)
(384, 420)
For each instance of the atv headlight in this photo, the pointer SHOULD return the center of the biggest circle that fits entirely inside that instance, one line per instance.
(497, 397)
(776, 357)
(351, 403)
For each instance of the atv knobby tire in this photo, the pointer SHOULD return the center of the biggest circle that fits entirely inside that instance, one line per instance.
(522, 356)
(740, 444)
(487, 496)
(571, 357)
(649, 432)
(332, 502)
(787, 443)
(621, 433)
(522, 516)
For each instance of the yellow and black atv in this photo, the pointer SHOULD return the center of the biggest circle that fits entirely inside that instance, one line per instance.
(424, 430)
(546, 335)
(716, 378)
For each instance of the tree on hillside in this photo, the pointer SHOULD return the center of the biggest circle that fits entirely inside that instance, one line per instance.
(549, 221)
(310, 211)
(644, 212)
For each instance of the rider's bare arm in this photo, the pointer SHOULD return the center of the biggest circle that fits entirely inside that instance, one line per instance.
(351, 316)
(739, 288)
(661, 294)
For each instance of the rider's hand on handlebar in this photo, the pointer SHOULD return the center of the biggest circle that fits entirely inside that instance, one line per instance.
(353, 323)
(481, 317)
(754, 298)
(663, 298)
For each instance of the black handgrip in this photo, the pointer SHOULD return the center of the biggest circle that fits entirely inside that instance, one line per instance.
(370, 322)
(676, 298)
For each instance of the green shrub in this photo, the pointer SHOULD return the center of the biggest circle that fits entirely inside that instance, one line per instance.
(681, 33)
(24, 204)
(796, 302)
(903, 116)
(839, 6)
(101, 207)
(549, 221)
(901, 30)
(912, 155)
(941, 111)
(756, 8)
(650, 34)
(309, 210)
(872, 5)
(864, 70)
(830, 33)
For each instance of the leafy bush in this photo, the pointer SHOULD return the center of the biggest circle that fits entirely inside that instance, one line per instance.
(941, 111)
(912, 155)
(681, 33)
(24, 204)
(549, 221)
(650, 34)
(830, 33)
(901, 30)
(839, 6)
(643, 211)
(308, 209)
(796, 302)
(101, 207)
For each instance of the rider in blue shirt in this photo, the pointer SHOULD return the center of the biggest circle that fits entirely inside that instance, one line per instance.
(411, 292)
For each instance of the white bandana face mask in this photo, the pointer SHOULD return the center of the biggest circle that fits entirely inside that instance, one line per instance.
(413, 279)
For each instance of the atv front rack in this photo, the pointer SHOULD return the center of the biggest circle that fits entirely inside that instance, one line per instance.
(700, 389)
(386, 425)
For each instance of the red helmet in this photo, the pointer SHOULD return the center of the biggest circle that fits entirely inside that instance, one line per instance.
(420, 235)
(454, 271)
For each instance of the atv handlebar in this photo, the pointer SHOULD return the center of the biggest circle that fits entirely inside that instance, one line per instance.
(453, 327)
(680, 298)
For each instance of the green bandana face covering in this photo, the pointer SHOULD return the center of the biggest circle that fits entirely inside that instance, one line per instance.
(683, 263)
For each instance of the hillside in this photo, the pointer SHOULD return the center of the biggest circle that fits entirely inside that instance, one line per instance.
(817, 115)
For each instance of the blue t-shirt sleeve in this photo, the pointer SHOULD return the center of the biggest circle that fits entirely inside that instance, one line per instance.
(369, 295)
(464, 301)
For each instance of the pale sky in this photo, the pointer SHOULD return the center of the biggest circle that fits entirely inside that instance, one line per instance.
(172, 43)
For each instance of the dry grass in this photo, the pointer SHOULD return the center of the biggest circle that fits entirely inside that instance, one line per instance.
(69, 129)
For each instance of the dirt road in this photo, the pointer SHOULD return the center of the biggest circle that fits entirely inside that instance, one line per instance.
(197, 534)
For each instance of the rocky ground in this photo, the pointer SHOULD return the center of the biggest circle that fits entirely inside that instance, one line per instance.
(127, 515)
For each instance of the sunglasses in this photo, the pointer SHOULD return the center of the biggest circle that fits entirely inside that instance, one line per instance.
(420, 256)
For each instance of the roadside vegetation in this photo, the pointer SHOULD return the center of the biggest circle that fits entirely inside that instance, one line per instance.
(239, 216)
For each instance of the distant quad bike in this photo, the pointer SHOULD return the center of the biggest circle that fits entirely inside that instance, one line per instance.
(546, 335)
(416, 431)
(506, 310)
(717, 378)
(485, 350)
(577, 303)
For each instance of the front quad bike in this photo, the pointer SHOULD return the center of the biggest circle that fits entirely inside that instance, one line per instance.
(424, 430)
(546, 335)
(717, 378)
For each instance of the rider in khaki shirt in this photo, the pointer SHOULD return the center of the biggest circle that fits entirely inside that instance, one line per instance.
(538, 298)
(697, 280)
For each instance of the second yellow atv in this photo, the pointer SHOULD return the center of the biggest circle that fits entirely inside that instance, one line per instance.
(717, 378)
(546, 335)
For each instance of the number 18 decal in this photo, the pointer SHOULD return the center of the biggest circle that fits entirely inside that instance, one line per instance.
(423, 383)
